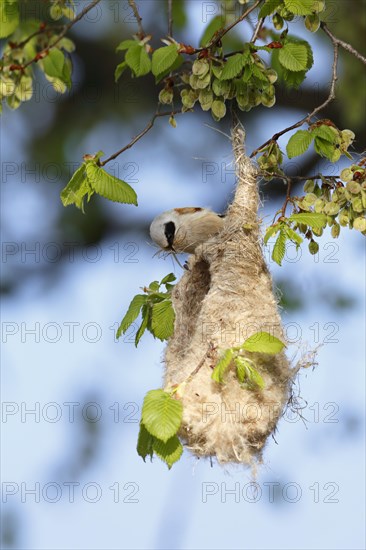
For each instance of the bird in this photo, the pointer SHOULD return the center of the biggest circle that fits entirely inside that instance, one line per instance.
(182, 230)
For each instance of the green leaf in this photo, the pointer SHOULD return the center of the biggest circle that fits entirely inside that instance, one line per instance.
(154, 285)
(170, 278)
(248, 71)
(163, 59)
(177, 63)
(326, 149)
(279, 248)
(294, 57)
(255, 379)
(218, 22)
(145, 443)
(316, 220)
(233, 66)
(248, 374)
(293, 236)
(145, 312)
(94, 158)
(109, 186)
(329, 145)
(170, 451)
(67, 45)
(293, 80)
(241, 368)
(160, 296)
(222, 365)
(169, 286)
(161, 414)
(162, 320)
(325, 132)
(138, 60)
(68, 12)
(310, 61)
(125, 45)
(66, 73)
(312, 22)
(119, 70)
(55, 12)
(300, 7)
(53, 64)
(299, 143)
(271, 230)
(258, 73)
(9, 17)
(217, 70)
(263, 342)
(76, 189)
(269, 7)
(132, 313)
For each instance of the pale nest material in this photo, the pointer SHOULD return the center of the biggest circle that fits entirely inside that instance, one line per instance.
(225, 297)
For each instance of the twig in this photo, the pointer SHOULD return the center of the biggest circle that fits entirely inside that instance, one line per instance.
(331, 95)
(298, 178)
(290, 180)
(138, 18)
(201, 363)
(65, 29)
(18, 46)
(336, 43)
(343, 44)
(287, 198)
(219, 35)
(177, 387)
(170, 17)
(75, 20)
(330, 98)
(257, 30)
(42, 30)
(140, 135)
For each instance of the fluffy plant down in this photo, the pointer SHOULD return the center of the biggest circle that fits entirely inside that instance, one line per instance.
(224, 297)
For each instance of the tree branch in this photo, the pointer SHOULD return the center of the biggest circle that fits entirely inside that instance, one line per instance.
(307, 119)
(42, 30)
(336, 43)
(331, 95)
(288, 196)
(138, 18)
(74, 21)
(257, 30)
(297, 178)
(140, 135)
(343, 44)
(221, 33)
(289, 181)
(65, 29)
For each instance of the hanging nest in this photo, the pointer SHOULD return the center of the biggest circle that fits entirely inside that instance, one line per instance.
(223, 298)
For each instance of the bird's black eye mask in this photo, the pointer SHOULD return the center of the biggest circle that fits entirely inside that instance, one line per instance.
(169, 230)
